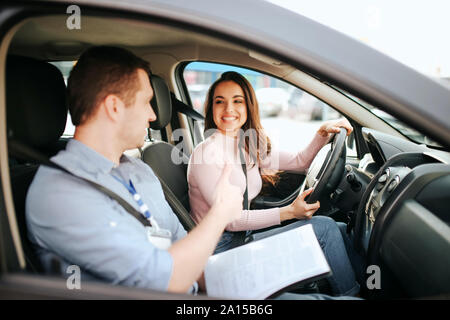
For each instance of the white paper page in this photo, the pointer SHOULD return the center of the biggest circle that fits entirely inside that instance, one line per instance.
(260, 268)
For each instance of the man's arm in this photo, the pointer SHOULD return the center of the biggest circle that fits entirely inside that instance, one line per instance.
(191, 253)
(85, 227)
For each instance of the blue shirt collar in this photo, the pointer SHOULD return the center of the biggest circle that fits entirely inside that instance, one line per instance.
(93, 161)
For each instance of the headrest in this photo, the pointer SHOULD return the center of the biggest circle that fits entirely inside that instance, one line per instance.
(161, 103)
(35, 101)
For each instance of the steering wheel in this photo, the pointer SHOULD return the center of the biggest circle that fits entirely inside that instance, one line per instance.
(324, 182)
(331, 171)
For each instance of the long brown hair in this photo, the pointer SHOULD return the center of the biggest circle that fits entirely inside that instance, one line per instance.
(257, 144)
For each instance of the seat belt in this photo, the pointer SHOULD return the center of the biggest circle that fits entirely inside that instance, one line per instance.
(240, 237)
(183, 108)
(244, 169)
(23, 151)
(178, 208)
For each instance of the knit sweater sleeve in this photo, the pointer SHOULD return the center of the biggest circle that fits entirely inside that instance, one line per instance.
(204, 171)
(282, 160)
(205, 168)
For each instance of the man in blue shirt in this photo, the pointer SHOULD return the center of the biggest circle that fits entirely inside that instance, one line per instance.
(109, 97)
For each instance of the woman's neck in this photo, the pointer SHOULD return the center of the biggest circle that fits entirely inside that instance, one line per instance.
(229, 133)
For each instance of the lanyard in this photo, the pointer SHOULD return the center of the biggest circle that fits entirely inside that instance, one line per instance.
(137, 197)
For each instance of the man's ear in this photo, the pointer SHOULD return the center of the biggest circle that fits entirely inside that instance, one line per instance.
(113, 107)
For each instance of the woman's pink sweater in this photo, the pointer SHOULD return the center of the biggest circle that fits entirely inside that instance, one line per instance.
(206, 165)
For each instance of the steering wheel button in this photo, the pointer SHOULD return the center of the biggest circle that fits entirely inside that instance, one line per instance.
(392, 185)
(382, 178)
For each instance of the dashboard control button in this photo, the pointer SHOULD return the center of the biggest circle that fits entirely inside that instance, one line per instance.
(383, 178)
(393, 184)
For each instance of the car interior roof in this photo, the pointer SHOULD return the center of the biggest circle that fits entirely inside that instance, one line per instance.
(43, 38)
(165, 47)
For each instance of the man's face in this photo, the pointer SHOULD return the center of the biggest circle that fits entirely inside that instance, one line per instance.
(139, 114)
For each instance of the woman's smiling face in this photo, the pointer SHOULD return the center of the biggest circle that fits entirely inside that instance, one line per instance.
(229, 107)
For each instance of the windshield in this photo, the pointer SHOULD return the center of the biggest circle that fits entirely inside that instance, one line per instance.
(65, 67)
(403, 128)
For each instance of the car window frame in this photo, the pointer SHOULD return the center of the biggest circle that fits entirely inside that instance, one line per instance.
(15, 279)
(182, 86)
(361, 102)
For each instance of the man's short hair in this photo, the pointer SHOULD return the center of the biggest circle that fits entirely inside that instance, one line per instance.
(101, 71)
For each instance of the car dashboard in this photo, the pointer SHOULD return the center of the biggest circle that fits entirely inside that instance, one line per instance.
(403, 218)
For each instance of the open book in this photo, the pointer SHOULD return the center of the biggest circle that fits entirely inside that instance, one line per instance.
(261, 268)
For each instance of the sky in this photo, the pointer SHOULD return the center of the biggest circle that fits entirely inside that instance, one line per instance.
(414, 32)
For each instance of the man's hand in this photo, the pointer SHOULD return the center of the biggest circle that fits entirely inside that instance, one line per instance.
(191, 253)
(333, 126)
(227, 197)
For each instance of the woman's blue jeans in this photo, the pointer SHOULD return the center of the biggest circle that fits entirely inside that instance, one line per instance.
(342, 281)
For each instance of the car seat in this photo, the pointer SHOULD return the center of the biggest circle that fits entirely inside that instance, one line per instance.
(36, 117)
(168, 162)
(160, 157)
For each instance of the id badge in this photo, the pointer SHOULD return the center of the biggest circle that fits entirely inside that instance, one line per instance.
(160, 238)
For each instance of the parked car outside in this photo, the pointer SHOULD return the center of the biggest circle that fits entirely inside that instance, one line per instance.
(272, 101)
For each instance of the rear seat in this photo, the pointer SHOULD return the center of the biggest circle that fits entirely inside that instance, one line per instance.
(36, 116)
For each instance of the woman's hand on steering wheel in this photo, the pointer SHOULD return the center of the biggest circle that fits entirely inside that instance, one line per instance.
(299, 209)
(333, 126)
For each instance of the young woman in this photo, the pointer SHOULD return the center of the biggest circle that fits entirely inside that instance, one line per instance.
(231, 111)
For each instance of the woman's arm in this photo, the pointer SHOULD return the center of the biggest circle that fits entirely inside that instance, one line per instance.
(203, 178)
(283, 160)
(298, 209)
(204, 169)
(302, 160)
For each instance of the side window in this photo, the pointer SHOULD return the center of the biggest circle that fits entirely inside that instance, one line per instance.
(65, 67)
(289, 115)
